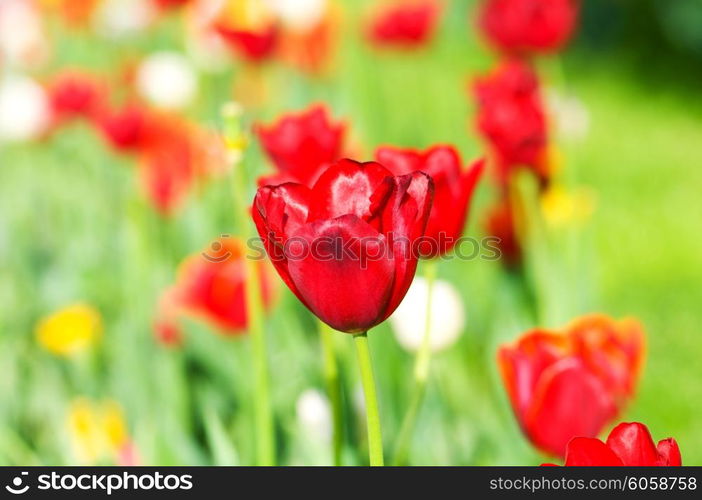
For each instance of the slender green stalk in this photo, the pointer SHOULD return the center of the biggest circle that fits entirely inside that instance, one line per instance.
(375, 439)
(265, 439)
(331, 379)
(263, 415)
(422, 364)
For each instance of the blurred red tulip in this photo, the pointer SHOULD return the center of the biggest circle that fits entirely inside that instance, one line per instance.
(511, 118)
(346, 247)
(211, 287)
(166, 175)
(173, 154)
(404, 23)
(528, 26)
(166, 162)
(251, 45)
(124, 129)
(310, 48)
(301, 144)
(249, 28)
(501, 223)
(170, 4)
(75, 94)
(76, 13)
(629, 445)
(572, 383)
(453, 190)
(168, 332)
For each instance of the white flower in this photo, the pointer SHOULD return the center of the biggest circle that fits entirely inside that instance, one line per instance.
(447, 316)
(314, 415)
(123, 18)
(571, 117)
(300, 15)
(203, 44)
(167, 80)
(24, 108)
(22, 38)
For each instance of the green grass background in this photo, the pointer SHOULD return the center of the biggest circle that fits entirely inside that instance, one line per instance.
(74, 227)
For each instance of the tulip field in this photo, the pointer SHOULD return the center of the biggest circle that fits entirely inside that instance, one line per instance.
(341, 232)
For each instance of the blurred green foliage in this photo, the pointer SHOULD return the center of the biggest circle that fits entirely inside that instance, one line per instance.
(73, 227)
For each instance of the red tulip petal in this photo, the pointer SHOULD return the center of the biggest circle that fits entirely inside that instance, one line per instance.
(347, 188)
(443, 161)
(406, 216)
(452, 190)
(633, 444)
(400, 161)
(300, 145)
(521, 365)
(251, 45)
(590, 452)
(405, 23)
(612, 349)
(277, 211)
(284, 208)
(511, 116)
(450, 212)
(470, 179)
(669, 453)
(348, 293)
(526, 26)
(568, 401)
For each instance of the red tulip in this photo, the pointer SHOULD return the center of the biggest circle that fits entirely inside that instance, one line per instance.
(301, 144)
(124, 129)
(75, 94)
(76, 13)
(253, 46)
(167, 162)
(346, 246)
(528, 26)
(167, 175)
(573, 383)
(249, 28)
(211, 287)
(512, 120)
(173, 154)
(629, 444)
(170, 4)
(310, 48)
(453, 190)
(404, 23)
(501, 223)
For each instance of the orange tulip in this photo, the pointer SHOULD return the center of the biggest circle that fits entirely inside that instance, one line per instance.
(564, 384)
(211, 287)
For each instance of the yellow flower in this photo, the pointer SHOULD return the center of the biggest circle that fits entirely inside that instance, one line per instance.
(235, 140)
(114, 425)
(561, 208)
(70, 330)
(97, 430)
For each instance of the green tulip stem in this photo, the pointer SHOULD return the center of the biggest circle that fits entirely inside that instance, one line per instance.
(263, 415)
(375, 439)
